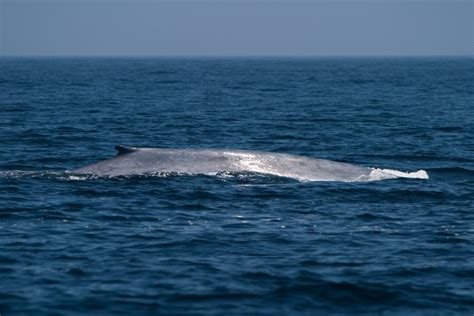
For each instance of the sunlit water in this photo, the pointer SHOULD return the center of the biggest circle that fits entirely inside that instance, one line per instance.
(237, 243)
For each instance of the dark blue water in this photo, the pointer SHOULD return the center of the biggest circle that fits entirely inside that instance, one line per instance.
(243, 243)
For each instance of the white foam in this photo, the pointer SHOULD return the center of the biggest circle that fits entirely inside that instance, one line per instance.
(77, 178)
(382, 174)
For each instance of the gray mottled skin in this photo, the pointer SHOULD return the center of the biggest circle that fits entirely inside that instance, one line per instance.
(137, 161)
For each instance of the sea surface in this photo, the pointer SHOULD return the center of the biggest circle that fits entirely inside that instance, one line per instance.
(237, 243)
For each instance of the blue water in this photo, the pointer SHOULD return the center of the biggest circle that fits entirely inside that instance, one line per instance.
(242, 243)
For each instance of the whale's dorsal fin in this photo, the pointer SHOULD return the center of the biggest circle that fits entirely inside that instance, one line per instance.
(124, 150)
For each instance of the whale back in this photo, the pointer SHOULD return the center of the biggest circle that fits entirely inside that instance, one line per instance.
(136, 161)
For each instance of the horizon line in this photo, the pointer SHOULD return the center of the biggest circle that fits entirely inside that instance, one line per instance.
(245, 56)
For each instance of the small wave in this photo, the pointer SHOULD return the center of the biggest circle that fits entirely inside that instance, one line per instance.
(160, 72)
(168, 82)
(59, 175)
(17, 174)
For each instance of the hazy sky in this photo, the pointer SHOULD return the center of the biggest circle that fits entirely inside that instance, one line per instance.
(236, 27)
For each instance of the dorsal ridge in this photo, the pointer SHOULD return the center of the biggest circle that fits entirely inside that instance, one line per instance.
(122, 150)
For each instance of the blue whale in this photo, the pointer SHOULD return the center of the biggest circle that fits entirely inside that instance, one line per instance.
(140, 161)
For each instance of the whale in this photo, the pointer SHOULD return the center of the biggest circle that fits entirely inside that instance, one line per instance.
(131, 161)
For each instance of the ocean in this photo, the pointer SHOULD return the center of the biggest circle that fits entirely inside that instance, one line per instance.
(237, 244)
